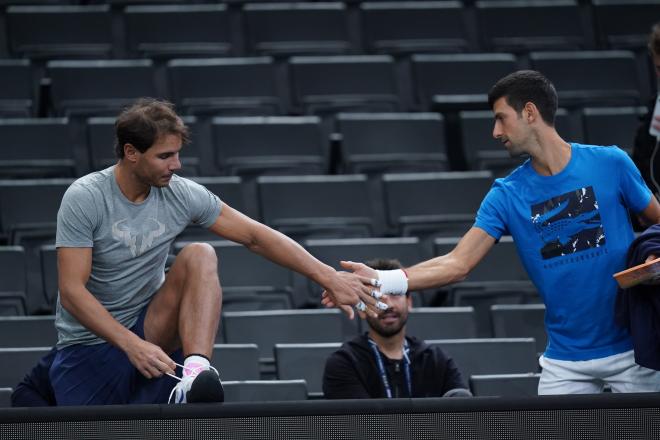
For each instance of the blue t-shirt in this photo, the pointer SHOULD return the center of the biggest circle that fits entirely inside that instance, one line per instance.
(572, 231)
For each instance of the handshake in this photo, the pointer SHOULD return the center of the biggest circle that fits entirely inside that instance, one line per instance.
(374, 284)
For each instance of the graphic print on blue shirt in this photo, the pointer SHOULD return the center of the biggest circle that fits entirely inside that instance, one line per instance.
(568, 223)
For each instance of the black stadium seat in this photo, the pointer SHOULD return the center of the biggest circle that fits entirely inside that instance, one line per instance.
(304, 361)
(491, 356)
(264, 390)
(172, 31)
(229, 86)
(520, 321)
(522, 26)
(401, 27)
(13, 283)
(236, 361)
(326, 85)
(60, 32)
(269, 145)
(17, 89)
(27, 331)
(282, 327)
(41, 147)
(280, 29)
(632, 33)
(438, 203)
(317, 206)
(606, 77)
(99, 87)
(390, 142)
(17, 362)
(612, 125)
(458, 81)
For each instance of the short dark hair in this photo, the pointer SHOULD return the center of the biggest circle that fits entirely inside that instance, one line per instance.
(654, 39)
(144, 122)
(519, 88)
(385, 264)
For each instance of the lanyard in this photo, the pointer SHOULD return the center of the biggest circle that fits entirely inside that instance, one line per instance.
(383, 373)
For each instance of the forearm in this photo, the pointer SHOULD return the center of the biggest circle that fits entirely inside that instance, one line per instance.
(92, 315)
(436, 272)
(284, 251)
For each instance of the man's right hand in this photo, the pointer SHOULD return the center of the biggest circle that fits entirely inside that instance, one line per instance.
(149, 359)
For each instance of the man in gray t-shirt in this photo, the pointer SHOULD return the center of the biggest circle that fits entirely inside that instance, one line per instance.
(119, 317)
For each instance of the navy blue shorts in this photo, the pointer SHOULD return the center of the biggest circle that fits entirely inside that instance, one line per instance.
(101, 374)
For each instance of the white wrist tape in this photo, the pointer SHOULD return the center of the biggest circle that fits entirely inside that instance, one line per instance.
(393, 282)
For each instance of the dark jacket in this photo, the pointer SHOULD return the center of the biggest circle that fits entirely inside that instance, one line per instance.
(352, 372)
(638, 308)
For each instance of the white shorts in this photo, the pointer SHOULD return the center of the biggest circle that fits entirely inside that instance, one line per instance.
(619, 371)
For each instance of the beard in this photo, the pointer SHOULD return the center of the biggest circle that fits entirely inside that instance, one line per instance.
(388, 330)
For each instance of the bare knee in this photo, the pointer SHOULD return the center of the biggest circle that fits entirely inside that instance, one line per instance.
(199, 257)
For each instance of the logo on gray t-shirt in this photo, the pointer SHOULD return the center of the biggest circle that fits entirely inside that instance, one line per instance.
(142, 233)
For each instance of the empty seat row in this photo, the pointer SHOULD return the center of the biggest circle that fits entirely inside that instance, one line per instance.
(265, 329)
(306, 361)
(256, 145)
(322, 28)
(321, 85)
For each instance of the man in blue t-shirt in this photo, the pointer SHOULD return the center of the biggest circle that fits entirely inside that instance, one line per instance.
(567, 210)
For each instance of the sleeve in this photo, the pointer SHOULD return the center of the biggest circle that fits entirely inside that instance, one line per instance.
(76, 218)
(205, 207)
(341, 380)
(492, 214)
(633, 190)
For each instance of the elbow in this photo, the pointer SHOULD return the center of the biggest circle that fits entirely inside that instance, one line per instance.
(459, 270)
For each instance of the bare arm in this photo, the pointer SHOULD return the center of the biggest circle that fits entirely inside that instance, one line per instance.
(346, 289)
(442, 270)
(74, 267)
(651, 214)
(454, 266)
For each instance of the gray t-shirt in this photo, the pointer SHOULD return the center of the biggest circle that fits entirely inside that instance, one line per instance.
(129, 241)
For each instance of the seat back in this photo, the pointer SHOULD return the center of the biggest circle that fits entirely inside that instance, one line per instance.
(321, 206)
(169, 31)
(264, 390)
(385, 142)
(458, 81)
(267, 328)
(99, 87)
(236, 361)
(304, 361)
(269, 145)
(17, 362)
(520, 321)
(27, 331)
(505, 385)
(522, 26)
(60, 31)
(230, 86)
(442, 323)
(491, 356)
(322, 85)
(297, 28)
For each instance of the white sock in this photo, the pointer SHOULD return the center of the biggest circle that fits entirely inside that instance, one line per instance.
(195, 364)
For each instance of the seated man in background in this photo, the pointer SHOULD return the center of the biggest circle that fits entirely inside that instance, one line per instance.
(385, 363)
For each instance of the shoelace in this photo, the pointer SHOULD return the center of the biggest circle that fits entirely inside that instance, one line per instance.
(194, 372)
